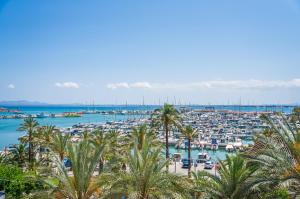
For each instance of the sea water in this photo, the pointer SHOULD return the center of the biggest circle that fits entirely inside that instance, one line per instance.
(8, 127)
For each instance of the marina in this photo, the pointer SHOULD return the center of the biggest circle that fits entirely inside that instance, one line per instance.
(221, 129)
(225, 130)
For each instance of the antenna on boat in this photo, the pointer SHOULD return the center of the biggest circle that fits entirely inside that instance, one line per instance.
(94, 104)
(240, 103)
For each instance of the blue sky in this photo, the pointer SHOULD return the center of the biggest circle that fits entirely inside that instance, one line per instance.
(217, 52)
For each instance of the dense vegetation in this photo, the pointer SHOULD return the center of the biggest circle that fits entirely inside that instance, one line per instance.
(110, 165)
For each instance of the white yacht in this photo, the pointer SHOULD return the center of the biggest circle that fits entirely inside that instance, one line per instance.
(203, 157)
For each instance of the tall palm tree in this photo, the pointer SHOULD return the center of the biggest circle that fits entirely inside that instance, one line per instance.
(84, 157)
(45, 134)
(139, 135)
(234, 181)
(189, 133)
(43, 137)
(30, 126)
(145, 177)
(99, 139)
(58, 144)
(166, 117)
(116, 153)
(277, 154)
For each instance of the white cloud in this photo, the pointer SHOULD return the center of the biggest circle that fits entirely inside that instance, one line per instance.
(11, 86)
(140, 85)
(221, 84)
(118, 85)
(127, 85)
(67, 84)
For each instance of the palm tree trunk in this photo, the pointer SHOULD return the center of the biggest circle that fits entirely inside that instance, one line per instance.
(167, 145)
(143, 194)
(30, 149)
(197, 195)
(101, 164)
(189, 157)
(124, 167)
(40, 153)
(61, 156)
(47, 156)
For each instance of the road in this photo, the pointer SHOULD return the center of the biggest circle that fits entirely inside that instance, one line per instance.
(177, 168)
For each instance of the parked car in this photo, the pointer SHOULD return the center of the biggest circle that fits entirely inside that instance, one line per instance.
(2, 195)
(208, 165)
(185, 163)
(67, 162)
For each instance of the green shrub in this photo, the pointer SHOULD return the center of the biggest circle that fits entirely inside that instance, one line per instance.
(279, 193)
(15, 182)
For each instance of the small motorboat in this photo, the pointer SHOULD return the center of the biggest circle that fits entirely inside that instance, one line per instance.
(203, 157)
(229, 148)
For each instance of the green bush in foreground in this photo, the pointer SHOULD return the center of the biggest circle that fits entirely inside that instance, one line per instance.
(15, 182)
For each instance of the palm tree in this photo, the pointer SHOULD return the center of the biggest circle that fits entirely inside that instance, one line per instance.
(139, 135)
(99, 139)
(295, 116)
(84, 157)
(3, 158)
(43, 138)
(234, 181)
(116, 151)
(277, 154)
(45, 134)
(58, 144)
(166, 117)
(189, 133)
(18, 154)
(145, 177)
(197, 185)
(30, 126)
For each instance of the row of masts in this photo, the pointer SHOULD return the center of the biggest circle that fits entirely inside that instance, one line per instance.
(239, 108)
(178, 102)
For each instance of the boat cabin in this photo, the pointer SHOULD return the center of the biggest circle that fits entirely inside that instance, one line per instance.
(203, 157)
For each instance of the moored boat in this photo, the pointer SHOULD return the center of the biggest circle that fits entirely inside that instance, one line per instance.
(203, 157)
(229, 148)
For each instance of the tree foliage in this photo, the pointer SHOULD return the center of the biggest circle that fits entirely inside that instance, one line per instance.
(16, 183)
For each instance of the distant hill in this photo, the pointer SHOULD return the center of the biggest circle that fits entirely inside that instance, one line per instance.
(21, 103)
